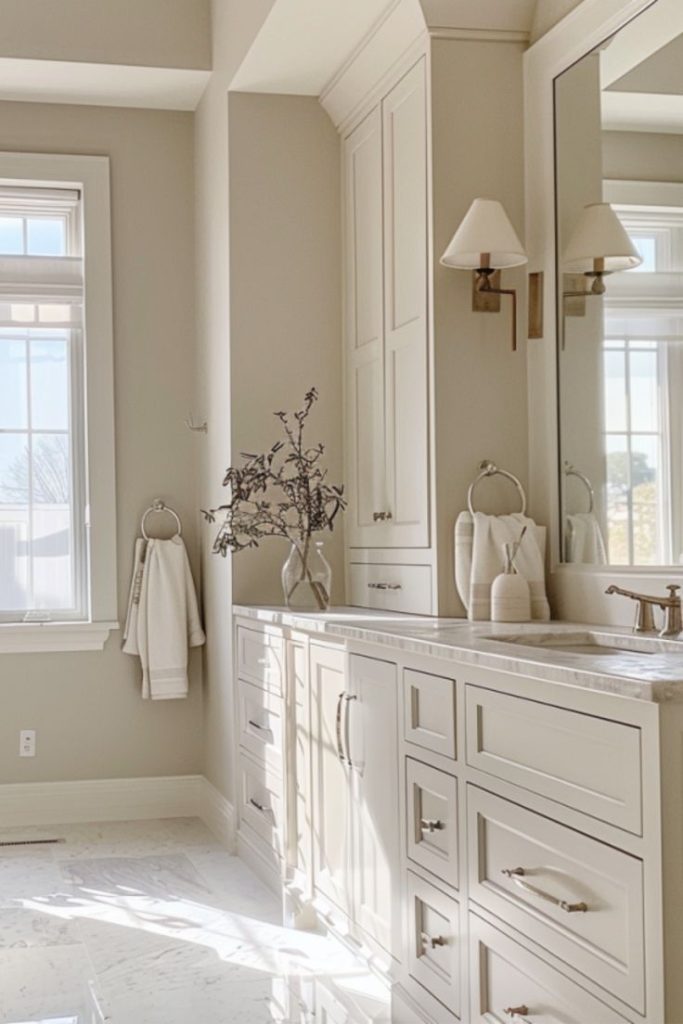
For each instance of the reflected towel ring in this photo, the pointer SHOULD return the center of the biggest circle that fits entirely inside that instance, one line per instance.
(570, 470)
(159, 506)
(491, 469)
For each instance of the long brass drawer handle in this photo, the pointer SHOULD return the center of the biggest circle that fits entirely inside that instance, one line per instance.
(258, 806)
(338, 727)
(385, 586)
(433, 941)
(521, 1012)
(517, 876)
(255, 725)
(431, 825)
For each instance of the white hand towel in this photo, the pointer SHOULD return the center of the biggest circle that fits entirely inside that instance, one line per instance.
(167, 620)
(584, 541)
(464, 535)
(490, 534)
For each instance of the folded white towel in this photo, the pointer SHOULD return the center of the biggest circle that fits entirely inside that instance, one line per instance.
(584, 542)
(490, 534)
(163, 617)
(464, 536)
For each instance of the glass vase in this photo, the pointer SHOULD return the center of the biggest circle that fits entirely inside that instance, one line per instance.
(307, 578)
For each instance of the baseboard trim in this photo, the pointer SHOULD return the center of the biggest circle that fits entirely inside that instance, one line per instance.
(218, 814)
(64, 803)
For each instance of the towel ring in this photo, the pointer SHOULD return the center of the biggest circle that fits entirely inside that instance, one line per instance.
(491, 469)
(159, 506)
(569, 470)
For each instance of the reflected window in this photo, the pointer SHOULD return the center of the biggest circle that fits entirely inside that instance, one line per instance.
(634, 375)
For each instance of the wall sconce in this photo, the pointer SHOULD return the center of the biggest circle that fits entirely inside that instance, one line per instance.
(486, 243)
(599, 246)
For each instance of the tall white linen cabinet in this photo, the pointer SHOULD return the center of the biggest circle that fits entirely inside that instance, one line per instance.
(420, 368)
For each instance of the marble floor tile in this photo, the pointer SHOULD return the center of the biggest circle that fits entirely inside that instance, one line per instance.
(27, 875)
(43, 983)
(24, 928)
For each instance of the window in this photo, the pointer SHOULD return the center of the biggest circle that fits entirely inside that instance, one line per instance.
(57, 494)
(43, 547)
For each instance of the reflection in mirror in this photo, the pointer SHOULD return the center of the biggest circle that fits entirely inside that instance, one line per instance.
(619, 183)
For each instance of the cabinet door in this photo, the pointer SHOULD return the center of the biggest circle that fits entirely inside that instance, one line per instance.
(365, 333)
(331, 786)
(404, 117)
(371, 728)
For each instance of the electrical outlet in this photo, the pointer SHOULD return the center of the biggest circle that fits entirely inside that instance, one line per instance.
(27, 743)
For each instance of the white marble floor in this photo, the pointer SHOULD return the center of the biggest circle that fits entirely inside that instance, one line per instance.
(148, 923)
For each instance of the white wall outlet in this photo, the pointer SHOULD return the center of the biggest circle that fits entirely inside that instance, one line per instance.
(27, 743)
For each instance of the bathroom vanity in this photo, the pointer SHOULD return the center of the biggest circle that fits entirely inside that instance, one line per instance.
(489, 815)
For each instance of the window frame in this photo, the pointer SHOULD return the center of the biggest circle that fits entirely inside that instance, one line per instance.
(90, 175)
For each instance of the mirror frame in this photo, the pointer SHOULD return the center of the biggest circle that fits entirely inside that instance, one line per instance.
(577, 591)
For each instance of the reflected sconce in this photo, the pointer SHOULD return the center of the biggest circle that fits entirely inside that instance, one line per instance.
(487, 243)
(599, 246)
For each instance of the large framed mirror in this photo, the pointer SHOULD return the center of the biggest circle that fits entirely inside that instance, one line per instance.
(619, 248)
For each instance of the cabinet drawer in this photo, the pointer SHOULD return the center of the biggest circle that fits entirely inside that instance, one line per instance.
(397, 588)
(260, 658)
(261, 724)
(588, 763)
(551, 863)
(261, 802)
(432, 820)
(505, 977)
(433, 955)
(429, 711)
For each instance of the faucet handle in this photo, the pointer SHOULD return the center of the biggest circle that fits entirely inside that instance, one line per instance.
(673, 589)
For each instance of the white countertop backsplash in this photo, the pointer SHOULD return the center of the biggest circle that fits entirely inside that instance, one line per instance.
(654, 676)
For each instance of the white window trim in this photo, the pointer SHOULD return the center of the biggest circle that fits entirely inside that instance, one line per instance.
(91, 175)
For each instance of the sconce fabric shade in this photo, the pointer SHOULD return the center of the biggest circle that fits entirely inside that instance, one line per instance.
(600, 235)
(486, 229)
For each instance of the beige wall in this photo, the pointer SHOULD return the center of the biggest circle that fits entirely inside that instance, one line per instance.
(233, 30)
(285, 282)
(642, 156)
(548, 13)
(154, 33)
(480, 384)
(86, 707)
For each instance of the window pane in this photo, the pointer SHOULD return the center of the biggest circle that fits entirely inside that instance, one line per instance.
(647, 247)
(52, 540)
(14, 488)
(13, 411)
(646, 542)
(644, 452)
(49, 384)
(644, 390)
(615, 390)
(11, 236)
(46, 236)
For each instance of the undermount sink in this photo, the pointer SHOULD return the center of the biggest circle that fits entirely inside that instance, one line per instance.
(592, 643)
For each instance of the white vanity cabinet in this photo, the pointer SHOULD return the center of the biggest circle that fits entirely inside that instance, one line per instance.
(492, 843)
(385, 176)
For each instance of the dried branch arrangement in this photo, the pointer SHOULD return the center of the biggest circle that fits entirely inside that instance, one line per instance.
(281, 493)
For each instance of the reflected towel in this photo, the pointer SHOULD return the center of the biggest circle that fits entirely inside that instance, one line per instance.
(486, 559)
(163, 617)
(584, 543)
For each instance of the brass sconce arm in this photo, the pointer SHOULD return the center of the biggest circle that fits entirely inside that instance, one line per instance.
(484, 287)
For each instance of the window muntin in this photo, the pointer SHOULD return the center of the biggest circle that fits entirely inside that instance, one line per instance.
(43, 543)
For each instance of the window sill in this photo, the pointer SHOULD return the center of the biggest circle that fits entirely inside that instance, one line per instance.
(49, 637)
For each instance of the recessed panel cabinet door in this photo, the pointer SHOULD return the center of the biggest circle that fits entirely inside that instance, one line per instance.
(372, 728)
(404, 126)
(366, 519)
(331, 787)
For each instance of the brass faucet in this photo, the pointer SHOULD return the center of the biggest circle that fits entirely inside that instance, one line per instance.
(645, 622)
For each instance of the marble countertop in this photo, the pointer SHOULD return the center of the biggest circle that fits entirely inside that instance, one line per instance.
(655, 675)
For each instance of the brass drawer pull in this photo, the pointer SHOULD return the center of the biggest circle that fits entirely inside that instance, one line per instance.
(517, 876)
(338, 727)
(381, 517)
(385, 586)
(255, 725)
(429, 825)
(517, 1011)
(258, 806)
(433, 941)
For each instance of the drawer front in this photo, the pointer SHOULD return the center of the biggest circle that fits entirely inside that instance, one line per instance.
(261, 724)
(522, 866)
(587, 763)
(504, 977)
(433, 956)
(260, 658)
(432, 820)
(429, 711)
(397, 588)
(261, 803)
